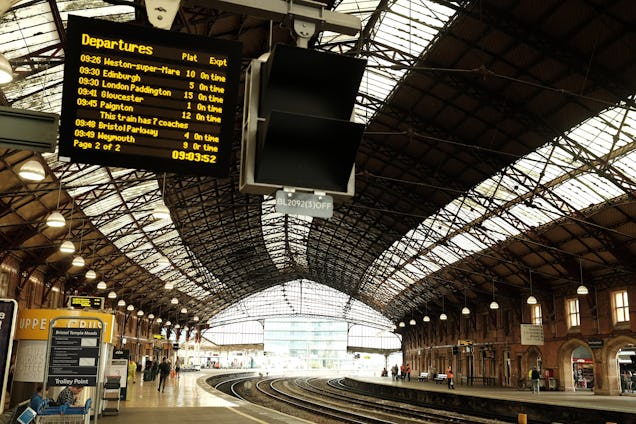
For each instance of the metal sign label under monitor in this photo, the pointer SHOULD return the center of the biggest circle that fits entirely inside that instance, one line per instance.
(308, 204)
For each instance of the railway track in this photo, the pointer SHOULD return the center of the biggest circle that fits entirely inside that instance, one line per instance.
(328, 401)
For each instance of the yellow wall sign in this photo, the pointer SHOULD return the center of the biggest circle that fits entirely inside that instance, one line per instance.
(33, 324)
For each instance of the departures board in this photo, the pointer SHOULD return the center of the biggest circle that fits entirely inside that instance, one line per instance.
(139, 97)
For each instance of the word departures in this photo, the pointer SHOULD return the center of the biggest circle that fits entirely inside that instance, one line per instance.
(145, 98)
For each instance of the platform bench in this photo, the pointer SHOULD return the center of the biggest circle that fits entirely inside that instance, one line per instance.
(440, 378)
(423, 376)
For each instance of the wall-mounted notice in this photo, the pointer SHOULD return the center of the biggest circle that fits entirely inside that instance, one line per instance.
(531, 334)
(140, 97)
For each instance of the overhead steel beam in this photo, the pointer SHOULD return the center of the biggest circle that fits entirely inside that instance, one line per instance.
(286, 10)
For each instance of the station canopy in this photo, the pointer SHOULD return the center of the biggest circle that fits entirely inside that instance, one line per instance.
(497, 160)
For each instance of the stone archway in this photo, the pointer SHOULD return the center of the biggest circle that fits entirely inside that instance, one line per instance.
(566, 381)
(607, 358)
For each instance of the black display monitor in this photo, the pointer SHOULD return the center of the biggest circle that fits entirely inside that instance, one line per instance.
(139, 97)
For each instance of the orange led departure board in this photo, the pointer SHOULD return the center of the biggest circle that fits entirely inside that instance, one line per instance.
(139, 97)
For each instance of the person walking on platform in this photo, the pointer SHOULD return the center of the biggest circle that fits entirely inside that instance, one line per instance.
(132, 371)
(164, 372)
(450, 378)
(408, 372)
(536, 377)
(394, 372)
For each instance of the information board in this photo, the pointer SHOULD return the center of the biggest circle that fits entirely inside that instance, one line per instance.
(139, 97)
(74, 357)
(8, 310)
(90, 302)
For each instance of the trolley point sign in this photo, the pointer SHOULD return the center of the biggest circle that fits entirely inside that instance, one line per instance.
(74, 356)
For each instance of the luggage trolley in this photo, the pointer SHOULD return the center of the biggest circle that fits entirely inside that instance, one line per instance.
(64, 414)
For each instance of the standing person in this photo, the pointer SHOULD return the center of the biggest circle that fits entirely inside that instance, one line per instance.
(450, 378)
(408, 372)
(394, 372)
(535, 376)
(132, 371)
(177, 367)
(164, 372)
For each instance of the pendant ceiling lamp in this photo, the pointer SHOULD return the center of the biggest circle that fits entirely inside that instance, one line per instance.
(32, 170)
(581, 289)
(531, 299)
(493, 304)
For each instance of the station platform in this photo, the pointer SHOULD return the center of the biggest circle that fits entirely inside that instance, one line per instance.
(189, 399)
(619, 409)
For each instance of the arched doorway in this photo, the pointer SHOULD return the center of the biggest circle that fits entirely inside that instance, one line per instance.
(608, 379)
(582, 368)
(525, 362)
(567, 373)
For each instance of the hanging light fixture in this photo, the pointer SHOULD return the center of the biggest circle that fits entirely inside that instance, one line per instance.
(168, 323)
(412, 321)
(112, 295)
(130, 307)
(582, 289)
(32, 170)
(101, 285)
(91, 275)
(161, 211)
(426, 317)
(6, 71)
(177, 326)
(140, 313)
(169, 285)
(493, 304)
(151, 316)
(78, 260)
(443, 316)
(174, 301)
(67, 246)
(531, 299)
(195, 318)
(401, 324)
(184, 311)
(121, 302)
(465, 309)
(55, 218)
(159, 320)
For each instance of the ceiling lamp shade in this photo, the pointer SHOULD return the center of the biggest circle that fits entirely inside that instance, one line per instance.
(78, 261)
(412, 322)
(55, 220)
(177, 325)
(161, 211)
(531, 300)
(101, 285)
(195, 318)
(163, 261)
(184, 311)
(112, 295)
(6, 71)
(32, 170)
(426, 318)
(67, 246)
(91, 275)
(130, 307)
(443, 317)
(159, 320)
(401, 324)
(151, 316)
(169, 286)
(493, 304)
(581, 290)
(465, 310)
(140, 313)
(174, 301)
(168, 323)
(121, 302)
